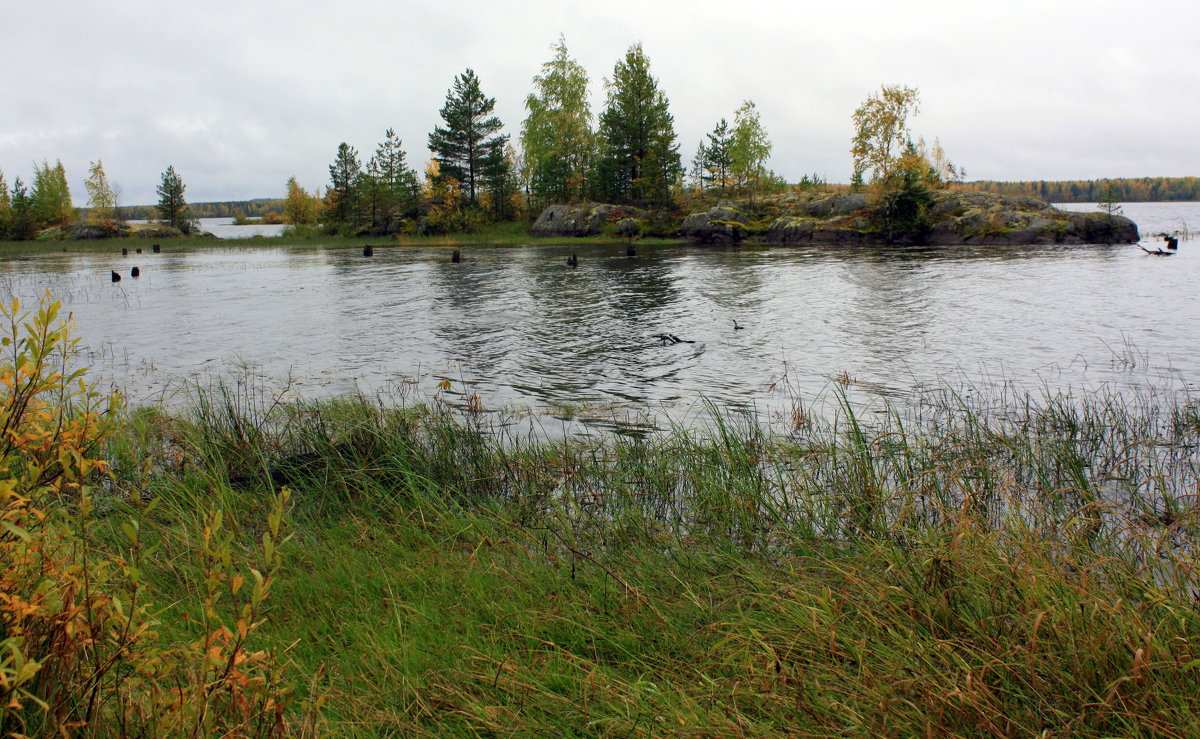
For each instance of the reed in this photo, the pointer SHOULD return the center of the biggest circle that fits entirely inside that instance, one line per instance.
(985, 563)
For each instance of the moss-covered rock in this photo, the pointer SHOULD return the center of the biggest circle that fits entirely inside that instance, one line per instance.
(722, 224)
(948, 218)
(88, 231)
(586, 219)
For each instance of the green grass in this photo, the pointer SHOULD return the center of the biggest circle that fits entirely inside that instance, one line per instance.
(497, 234)
(1005, 566)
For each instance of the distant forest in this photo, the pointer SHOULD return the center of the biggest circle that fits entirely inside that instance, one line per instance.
(1133, 190)
(1140, 189)
(228, 209)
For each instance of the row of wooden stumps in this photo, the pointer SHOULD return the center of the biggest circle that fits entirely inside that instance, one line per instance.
(156, 249)
(369, 251)
(135, 272)
(456, 255)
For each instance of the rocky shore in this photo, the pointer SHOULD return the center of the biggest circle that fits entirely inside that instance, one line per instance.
(949, 218)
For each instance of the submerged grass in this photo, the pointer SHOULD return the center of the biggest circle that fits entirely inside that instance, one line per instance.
(1006, 565)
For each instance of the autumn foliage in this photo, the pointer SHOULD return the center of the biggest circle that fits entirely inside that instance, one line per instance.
(80, 645)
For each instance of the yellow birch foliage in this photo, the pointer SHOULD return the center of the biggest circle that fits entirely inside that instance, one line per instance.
(79, 650)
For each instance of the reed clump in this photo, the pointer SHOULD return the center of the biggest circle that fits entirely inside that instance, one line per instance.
(990, 563)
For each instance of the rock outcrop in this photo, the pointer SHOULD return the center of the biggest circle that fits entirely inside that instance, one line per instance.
(722, 224)
(952, 218)
(949, 218)
(588, 219)
(85, 231)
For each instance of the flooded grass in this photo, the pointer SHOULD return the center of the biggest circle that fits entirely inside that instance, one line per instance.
(972, 563)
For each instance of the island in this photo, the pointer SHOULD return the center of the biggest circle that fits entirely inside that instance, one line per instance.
(947, 217)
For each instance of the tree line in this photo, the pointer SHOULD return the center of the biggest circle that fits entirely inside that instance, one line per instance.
(1126, 189)
(629, 154)
(27, 212)
(256, 208)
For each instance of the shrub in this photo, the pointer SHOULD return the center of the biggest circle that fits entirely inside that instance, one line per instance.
(79, 646)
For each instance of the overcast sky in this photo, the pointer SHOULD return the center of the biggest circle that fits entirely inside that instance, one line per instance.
(239, 96)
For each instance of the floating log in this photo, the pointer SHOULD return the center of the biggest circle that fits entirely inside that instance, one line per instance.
(116, 277)
(736, 327)
(672, 339)
(1157, 252)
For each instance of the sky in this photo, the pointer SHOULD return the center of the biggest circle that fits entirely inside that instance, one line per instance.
(239, 96)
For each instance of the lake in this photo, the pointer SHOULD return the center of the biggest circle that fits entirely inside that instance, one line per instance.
(523, 330)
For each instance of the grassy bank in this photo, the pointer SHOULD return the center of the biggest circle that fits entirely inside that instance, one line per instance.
(497, 234)
(1005, 565)
(1009, 571)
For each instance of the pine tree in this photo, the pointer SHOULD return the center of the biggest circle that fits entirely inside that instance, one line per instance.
(173, 210)
(639, 156)
(345, 183)
(557, 134)
(468, 145)
(1109, 202)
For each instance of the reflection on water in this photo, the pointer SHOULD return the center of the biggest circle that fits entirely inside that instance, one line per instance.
(521, 328)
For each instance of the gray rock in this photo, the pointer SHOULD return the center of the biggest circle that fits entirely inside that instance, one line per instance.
(629, 227)
(721, 224)
(790, 231)
(842, 204)
(838, 235)
(573, 220)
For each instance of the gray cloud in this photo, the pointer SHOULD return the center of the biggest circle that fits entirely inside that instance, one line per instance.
(238, 97)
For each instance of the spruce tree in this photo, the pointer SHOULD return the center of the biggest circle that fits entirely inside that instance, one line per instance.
(173, 210)
(639, 156)
(393, 183)
(468, 147)
(5, 208)
(345, 176)
(22, 226)
(713, 159)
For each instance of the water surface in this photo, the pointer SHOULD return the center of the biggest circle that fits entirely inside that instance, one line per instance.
(521, 329)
